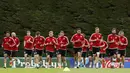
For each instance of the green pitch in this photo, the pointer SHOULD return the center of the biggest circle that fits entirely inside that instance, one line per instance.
(81, 70)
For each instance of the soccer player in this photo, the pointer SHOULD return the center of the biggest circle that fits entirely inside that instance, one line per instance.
(123, 42)
(96, 39)
(78, 41)
(104, 46)
(63, 42)
(39, 42)
(15, 49)
(113, 41)
(85, 50)
(50, 43)
(7, 45)
(28, 46)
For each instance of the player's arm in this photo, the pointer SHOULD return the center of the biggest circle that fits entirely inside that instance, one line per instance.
(106, 45)
(92, 38)
(108, 39)
(55, 41)
(13, 43)
(46, 42)
(43, 41)
(87, 44)
(31, 40)
(67, 41)
(72, 40)
(18, 42)
(126, 43)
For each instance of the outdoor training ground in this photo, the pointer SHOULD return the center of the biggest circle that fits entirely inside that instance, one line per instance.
(81, 70)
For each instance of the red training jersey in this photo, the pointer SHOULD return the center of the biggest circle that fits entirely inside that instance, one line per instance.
(50, 43)
(28, 42)
(86, 45)
(123, 42)
(62, 42)
(8, 43)
(39, 42)
(17, 43)
(77, 40)
(104, 47)
(96, 39)
(115, 39)
(91, 46)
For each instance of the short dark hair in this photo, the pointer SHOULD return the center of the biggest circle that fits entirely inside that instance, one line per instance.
(38, 33)
(7, 32)
(50, 31)
(113, 29)
(78, 28)
(61, 31)
(28, 31)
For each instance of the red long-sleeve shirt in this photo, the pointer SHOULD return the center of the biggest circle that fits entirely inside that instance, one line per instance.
(104, 47)
(8, 43)
(86, 45)
(50, 43)
(28, 42)
(39, 42)
(77, 40)
(115, 38)
(96, 39)
(17, 43)
(62, 42)
(124, 41)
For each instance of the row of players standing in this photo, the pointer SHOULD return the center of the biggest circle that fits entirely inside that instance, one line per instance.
(95, 45)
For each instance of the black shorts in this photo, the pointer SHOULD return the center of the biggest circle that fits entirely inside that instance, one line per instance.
(84, 54)
(122, 52)
(76, 50)
(28, 52)
(51, 54)
(7, 52)
(95, 50)
(38, 52)
(102, 55)
(111, 52)
(90, 53)
(62, 52)
(14, 53)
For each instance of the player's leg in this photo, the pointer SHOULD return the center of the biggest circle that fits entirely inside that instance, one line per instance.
(40, 57)
(102, 56)
(30, 56)
(5, 58)
(26, 58)
(97, 57)
(119, 57)
(63, 53)
(48, 59)
(75, 56)
(113, 57)
(83, 57)
(94, 56)
(59, 58)
(79, 56)
(36, 59)
(10, 57)
(13, 59)
(90, 56)
(122, 59)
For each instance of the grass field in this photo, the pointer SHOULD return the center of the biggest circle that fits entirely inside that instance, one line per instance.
(81, 70)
